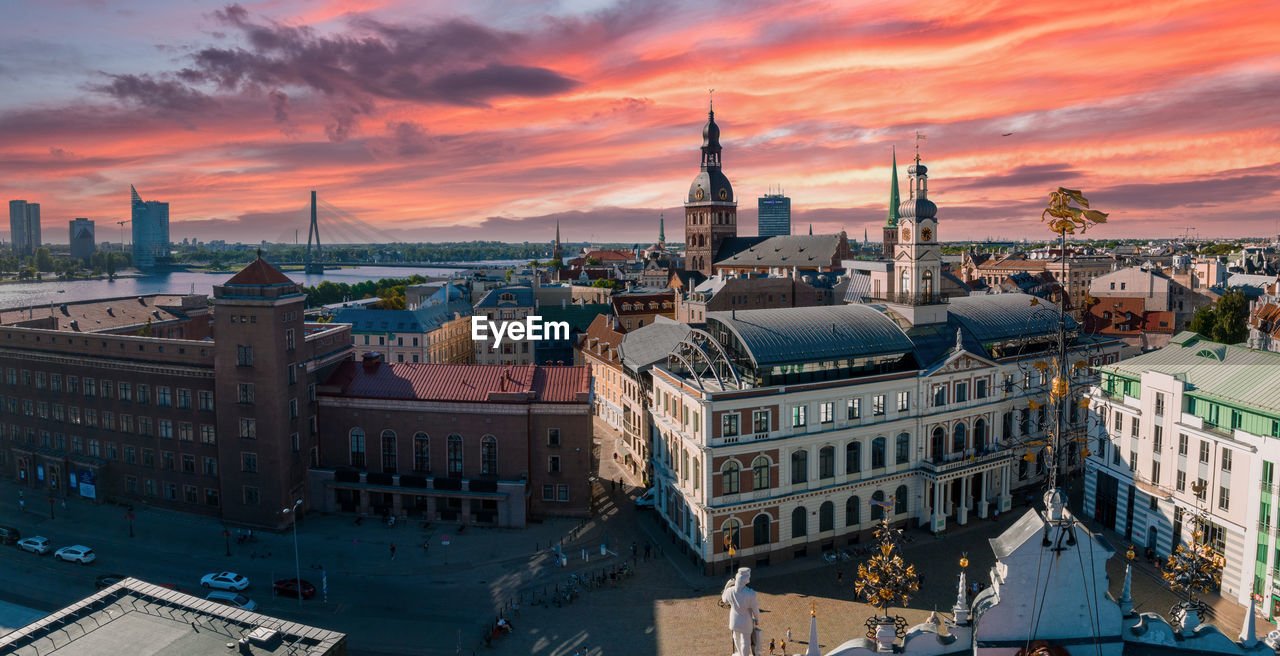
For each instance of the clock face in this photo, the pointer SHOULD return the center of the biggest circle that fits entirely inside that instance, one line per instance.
(698, 194)
(906, 234)
(724, 194)
(926, 234)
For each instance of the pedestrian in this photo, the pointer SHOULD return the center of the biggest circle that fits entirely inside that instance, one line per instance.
(515, 608)
(613, 486)
(784, 643)
(633, 548)
(839, 576)
(393, 551)
(773, 647)
(646, 551)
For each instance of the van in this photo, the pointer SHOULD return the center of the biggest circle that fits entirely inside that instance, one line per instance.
(648, 499)
(232, 598)
(9, 535)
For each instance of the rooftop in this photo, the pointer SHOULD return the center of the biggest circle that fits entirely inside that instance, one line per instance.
(1232, 373)
(786, 251)
(259, 272)
(137, 618)
(465, 383)
(817, 333)
(108, 314)
(518, 296)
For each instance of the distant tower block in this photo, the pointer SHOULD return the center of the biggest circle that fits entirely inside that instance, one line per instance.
(312, 263)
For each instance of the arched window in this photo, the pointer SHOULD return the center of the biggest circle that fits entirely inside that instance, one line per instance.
(957, 437)
(730, 477)
(877, 453)
(488, 456)
(799, 466)
(827, 516)
(799, 522)
(760, 529)
(902, 449)
(938, 444)
(357, 447)
(760, 473)
(389, 451)
(980, 434)
(853, 511)
(853, 457)
(421, 453)
(904, 282)
(900, 500)
(455, 454)
(926, 284)
(827, 462)
(877, 510)
(731, 529)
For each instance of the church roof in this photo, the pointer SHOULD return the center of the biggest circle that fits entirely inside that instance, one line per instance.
(785, 251)
(259, 272)
(817, 333)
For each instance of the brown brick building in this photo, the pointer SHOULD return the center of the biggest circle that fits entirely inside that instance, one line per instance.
(224, 427)
(490, 444)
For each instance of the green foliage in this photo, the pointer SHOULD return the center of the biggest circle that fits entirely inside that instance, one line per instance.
(147, 330)
(1225, 321)
(388, 289)
(1225, 248)
(44, 261)
(593, 260)
(608, 284)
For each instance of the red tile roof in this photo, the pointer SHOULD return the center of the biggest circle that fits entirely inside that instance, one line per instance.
(259, 272)
(463, 382)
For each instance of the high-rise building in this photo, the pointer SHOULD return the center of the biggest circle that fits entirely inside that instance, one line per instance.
(82, 239)
(24, 226)
(150, 232)
(711, 213)
(774, 215)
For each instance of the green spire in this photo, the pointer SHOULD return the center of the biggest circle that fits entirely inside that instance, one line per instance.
(892, 221)
(662, 229)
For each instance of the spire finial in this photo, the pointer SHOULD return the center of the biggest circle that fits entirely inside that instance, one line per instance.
(711, 104)
(920, 136)
(892, 220)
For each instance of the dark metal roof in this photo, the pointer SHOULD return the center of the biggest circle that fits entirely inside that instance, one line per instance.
(997, 317)
(811, 334)
(652, 343)
(786, 251)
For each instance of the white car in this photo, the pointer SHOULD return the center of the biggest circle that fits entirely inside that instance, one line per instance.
(35, 544)
(648, 499)
(76, 553)
(224, 581)
(233, 599)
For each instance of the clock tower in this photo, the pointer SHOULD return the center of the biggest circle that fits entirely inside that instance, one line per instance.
(917, 256)
(711, 211)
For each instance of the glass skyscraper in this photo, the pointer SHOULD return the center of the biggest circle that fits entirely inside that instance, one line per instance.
(774, 215)
(24, 226)
(150, 232)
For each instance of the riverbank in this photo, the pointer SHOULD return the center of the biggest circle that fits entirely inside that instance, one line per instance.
(40, 281)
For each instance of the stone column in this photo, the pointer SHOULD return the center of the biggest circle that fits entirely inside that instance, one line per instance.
(939, 518)
(982, 496)
(1005, 500)
(962, 512)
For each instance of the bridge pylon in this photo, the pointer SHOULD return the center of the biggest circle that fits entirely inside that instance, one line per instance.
(312, 265)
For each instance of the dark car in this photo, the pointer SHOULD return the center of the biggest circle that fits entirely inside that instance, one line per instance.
(108, 580)
(289, 588)
(9, 535)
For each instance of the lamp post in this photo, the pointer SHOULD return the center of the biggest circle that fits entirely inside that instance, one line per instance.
(297, 564)
(129, 516)
(226, 535)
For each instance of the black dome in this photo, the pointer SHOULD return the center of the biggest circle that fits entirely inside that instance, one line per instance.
(917, 208)
(712, 183)
(711, 133)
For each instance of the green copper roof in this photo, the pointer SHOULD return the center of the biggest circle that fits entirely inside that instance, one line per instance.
(892, 221)
(1245, 376)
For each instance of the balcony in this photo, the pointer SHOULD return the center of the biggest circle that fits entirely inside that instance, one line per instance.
(910, 299)
(942, 466)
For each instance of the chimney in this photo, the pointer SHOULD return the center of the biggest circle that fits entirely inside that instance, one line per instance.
(371, 361)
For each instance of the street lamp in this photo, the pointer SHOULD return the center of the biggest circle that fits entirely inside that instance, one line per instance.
(129, 516)
(226, 535)
(297, 564)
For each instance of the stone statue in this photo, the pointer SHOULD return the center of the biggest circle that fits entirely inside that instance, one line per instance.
(744, 612)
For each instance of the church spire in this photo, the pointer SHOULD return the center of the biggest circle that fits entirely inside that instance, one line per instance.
(662, 229)
(892, 220)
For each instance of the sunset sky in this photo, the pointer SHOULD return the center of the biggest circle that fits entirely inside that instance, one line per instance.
(449, 120)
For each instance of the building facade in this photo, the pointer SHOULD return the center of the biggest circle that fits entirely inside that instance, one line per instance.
(1193, 415)
(506, 304)
(773, 215)
(150, 224)
(24, 226)
(489, 444)
(711, 211)
(82, 242)
(224, 427)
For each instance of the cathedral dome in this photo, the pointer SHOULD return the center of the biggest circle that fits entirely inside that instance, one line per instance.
(713, 185)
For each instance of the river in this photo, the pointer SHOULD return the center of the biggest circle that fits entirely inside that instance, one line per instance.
(181, 282)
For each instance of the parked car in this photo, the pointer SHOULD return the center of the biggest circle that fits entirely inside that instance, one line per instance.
(76, 553)
(290, 588)
(231, 598)
(9, 535)
(35, 544)
(173, 587)
(648, 499)
(224, 581)
(108, 580)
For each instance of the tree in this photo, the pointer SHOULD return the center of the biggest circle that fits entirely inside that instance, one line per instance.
(147, 330)
(593, 260)
(606, 283)
(111, 265)
(44, 261)
(1225, 321)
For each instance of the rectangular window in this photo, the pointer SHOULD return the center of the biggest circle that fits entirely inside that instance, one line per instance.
(188, 464)
(853, 409)
(251, 496)
(1204, 451)
(131, 484)
(548, 493)
(206, 400)
(553, 464)
(1226, 460)
(962, 392)
(90, 387)
(1224, 498)
(760, 420)
(249, 462)
(877, 405)
(826, 412)
(208, 434)
(148, 458)
(211, 497)
(289, 341)
(166, 428)
(163, 399)
(1182, 444)
(291, 371)
(56, 380)
(293, 408)
(1157, 437)
(729, 424)
(248, 427)
(1180, 482)
(150, 486)
(184, 398)
(144, 426)
(939, 396)
(562, 492)
(904, 401)
(1203, 489)
(210, 466)
(185, 432)
(244, 356)
(799, 416)
(1133, 461)
(1133, 428)
(94, 448)
(1155, 472)
(1159, 404)
(126, 423)
(126, 391)
(190, 493)
(553, 437)
(980, 388)
(244, 393)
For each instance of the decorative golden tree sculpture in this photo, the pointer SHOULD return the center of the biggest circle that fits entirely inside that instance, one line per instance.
(886, 579)
(1063, 218)
(1195, 567)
